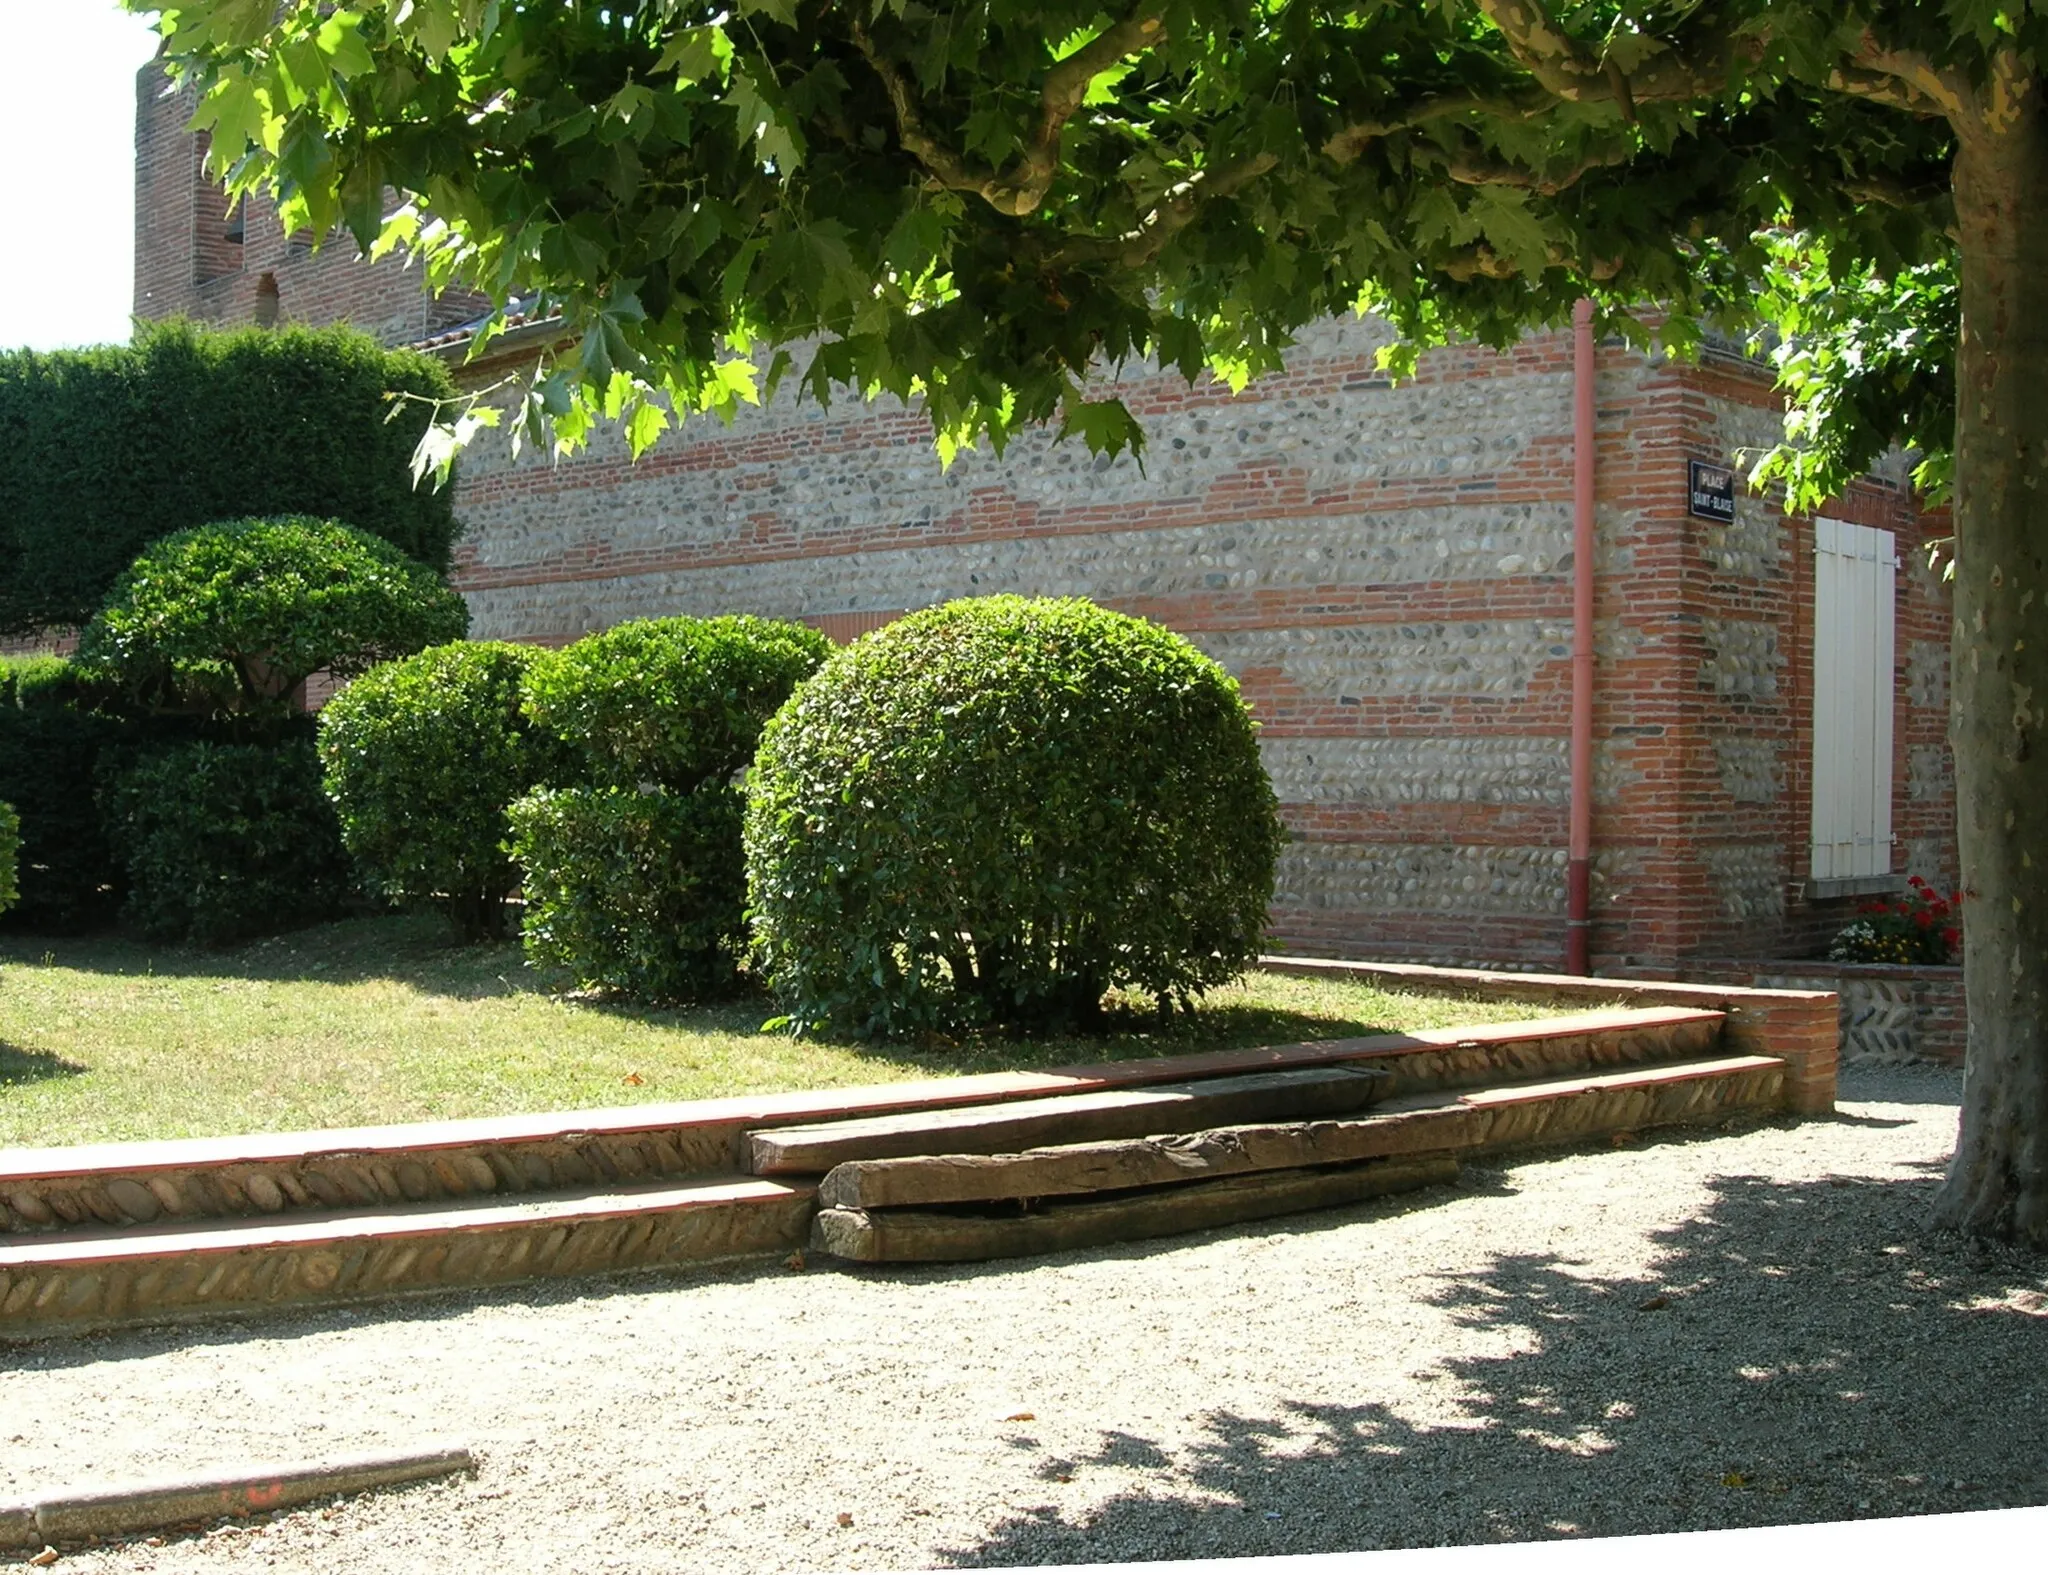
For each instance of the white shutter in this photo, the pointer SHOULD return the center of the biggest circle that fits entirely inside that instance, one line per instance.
(1854, 572)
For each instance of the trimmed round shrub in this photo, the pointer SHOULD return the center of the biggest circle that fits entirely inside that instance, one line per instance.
(10, 850)
(672, 701)
(234, 617)
(227, 840)
(638, 884)
(641, 893)
(421, 759)
(995, 811)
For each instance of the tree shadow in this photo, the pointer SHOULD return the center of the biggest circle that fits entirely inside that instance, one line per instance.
(1807, 1351)
(413, 949)
(418, 951)
(20, 1067)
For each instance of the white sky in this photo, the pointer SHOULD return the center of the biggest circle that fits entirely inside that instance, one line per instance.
(67, 180)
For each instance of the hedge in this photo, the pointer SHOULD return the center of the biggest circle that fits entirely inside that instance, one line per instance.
(995, 811)
(53, 748)
(421, 758)
(10, 850)
(226, 840)
(637, 883)
(638, 893)
(104, 450)
(672, 701)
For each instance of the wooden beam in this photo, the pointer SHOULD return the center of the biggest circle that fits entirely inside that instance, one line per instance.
(1557, 1111)
(1119, 1165)
(1019, 1124)
(913, 1236)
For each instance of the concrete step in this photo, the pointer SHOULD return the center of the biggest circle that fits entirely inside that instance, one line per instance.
(97, 1277)
(146, 1232)
(969, 1207)
(286, 1174)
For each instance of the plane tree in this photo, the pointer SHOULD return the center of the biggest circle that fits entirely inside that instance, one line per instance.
(978, 202)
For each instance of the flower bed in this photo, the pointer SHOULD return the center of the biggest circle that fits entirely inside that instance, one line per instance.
(1889, 1012)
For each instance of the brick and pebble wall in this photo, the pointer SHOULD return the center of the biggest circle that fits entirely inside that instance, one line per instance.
(1387, 571)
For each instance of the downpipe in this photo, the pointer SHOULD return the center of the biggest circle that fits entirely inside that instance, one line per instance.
(1578, 958)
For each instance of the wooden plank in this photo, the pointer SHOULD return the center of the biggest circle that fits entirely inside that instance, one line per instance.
(1119, 1113)
(1426, 1123)
(914, 1236)
(1070, 1169)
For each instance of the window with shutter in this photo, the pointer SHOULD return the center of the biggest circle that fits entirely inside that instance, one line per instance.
(1855, 570)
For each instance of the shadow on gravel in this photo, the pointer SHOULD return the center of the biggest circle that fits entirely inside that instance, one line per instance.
(1810, 1351)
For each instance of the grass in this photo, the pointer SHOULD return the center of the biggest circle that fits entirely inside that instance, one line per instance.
(379, 1020)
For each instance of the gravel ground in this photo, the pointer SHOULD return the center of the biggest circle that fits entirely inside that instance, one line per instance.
(1746, 1328)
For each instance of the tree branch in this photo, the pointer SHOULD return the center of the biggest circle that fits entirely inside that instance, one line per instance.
(1894, 193)
(1066, 86)
(1353, 140)
(940, 162)
(1674, 73)
(1483, 262)
(1149, 239)
(1471, 169)
(1021, 188)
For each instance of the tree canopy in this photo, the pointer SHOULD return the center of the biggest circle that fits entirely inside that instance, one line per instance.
(979, 202)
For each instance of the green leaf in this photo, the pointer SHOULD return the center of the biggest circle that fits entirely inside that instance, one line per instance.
(778, 141)
(647, 422)
(236, 111)
(697, 54)
(340, 40)
(1503, 217)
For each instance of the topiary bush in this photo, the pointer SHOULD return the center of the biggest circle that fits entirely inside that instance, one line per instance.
(672, 701)
(421, 758)
(995, 811)
(234, 617)
(226, 840)
(103, 450)
(638, 893)
(637, 884)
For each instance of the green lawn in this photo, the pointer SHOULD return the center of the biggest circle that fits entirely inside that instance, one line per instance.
(379, 1020)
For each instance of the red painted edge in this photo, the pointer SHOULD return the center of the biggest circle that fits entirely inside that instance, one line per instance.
(1639, 1077)
(1488, 980)
(340, 1226)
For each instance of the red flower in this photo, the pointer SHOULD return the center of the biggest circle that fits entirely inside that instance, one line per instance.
(1952, 937)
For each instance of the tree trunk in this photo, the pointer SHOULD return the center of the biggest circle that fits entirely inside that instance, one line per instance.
(1998, 1182)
